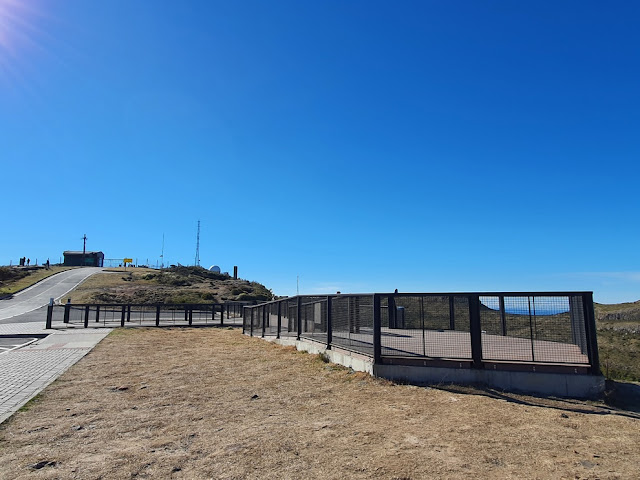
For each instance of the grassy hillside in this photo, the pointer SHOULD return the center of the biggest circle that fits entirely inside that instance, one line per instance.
(619, 340)
(172, 285)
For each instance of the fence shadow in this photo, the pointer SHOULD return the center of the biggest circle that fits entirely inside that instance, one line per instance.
(618, 399)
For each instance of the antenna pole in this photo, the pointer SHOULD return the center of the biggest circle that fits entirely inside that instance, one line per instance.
(84, 249)
(162, 254)
(197, 260)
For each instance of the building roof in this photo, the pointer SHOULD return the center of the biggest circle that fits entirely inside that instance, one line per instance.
(72, 252)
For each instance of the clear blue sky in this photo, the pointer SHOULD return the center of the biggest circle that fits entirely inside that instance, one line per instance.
(362, 145)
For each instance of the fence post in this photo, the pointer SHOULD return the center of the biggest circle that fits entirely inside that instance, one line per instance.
(298, 317)
(97, 313)
(86, 316)
(329, 324)
(475, 330)
(124, 313)
(128, 313)
(377, 327)
(452, 313)
(67, 310)
(190, 315)
(157, 315)
(279, 319)
(49, 316)
(264, 319)
(392, 311)
(222, 315)
(251, 330)
(590, 327)
(503, 316)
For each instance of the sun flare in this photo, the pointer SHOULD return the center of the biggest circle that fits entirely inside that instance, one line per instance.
(18, 35)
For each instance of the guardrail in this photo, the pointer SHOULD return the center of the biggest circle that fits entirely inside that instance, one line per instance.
(529, 331)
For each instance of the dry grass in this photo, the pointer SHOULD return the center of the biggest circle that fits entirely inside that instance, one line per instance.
(13, 285)
(210, 403)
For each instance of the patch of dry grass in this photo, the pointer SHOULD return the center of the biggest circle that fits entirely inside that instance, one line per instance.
(212, 403)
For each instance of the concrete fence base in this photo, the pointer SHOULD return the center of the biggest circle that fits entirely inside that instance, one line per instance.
(553, 384)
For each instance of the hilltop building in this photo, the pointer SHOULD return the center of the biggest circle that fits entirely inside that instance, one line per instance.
(86, 259)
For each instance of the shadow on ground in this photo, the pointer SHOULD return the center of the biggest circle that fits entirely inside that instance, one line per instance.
(619, 398)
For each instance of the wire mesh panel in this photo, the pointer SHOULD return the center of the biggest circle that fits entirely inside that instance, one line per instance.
(173, 315)
(289, 321)
(434, 326)
(536, 328)
(246, 320)
(313, 318)
(202, 314)
(352, 323)
(76, 314)
(272, 319)
(57, 314)
(110, 315)
(258, 315)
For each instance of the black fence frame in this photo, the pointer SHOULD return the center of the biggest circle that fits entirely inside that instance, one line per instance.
(193, 314)
(290, 320)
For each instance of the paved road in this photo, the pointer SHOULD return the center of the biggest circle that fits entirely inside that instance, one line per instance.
(11, 343)
(39, 294)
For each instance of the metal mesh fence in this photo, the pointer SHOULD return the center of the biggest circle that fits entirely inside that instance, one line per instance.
(434, 326)
(313, 318)
(352, 323)
(271, 328)
(115, 315)
(547, 329)
(292, 319)
(539, 328)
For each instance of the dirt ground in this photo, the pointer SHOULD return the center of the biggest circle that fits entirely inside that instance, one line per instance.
(212, 403)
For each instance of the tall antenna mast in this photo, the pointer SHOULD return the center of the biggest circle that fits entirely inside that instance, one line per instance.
(162, 254)
(84, 248)
(197, 262)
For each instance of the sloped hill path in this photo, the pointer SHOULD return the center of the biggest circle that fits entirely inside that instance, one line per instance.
(39, 294)
(212, 403)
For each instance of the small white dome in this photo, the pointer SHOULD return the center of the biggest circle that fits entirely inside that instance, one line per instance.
(214, 268)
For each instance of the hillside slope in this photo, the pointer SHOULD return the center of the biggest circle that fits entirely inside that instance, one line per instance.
(171, 285)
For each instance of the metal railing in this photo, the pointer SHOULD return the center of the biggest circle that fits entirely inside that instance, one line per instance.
(121, 315)
(538, 331)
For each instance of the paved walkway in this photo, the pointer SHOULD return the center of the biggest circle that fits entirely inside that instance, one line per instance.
(26, 371)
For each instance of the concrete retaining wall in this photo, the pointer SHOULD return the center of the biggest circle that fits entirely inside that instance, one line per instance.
(556, 384)
(359, 363)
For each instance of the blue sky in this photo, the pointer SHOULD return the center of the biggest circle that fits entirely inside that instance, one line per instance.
(360, 145)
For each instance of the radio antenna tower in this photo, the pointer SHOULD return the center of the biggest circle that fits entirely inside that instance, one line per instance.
(84, 248)
(162, 254)
(197, 261)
